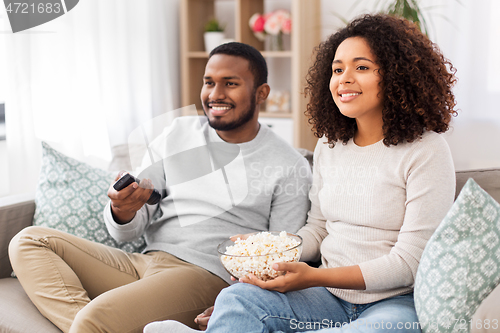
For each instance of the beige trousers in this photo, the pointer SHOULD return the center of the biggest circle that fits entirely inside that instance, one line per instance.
(83, 286)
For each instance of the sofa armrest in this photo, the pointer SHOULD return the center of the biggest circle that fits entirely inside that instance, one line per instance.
(487, 315)
(16, 213)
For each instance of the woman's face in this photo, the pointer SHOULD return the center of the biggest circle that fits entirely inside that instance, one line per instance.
(355, 81)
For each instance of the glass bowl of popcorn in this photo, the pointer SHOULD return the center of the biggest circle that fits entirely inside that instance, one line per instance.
(257, 253)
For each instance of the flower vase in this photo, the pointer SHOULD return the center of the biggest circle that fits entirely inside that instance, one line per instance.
(276, 42)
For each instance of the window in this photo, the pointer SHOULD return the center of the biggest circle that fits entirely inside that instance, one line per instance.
(3, 69)
(494, 49)
(2, 121)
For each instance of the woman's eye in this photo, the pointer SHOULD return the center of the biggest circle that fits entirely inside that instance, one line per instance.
(362, 68)
(337, 70)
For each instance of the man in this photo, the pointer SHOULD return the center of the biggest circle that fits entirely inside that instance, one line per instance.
(245, 179)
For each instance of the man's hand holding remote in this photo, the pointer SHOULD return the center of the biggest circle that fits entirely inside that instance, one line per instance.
(127, 201)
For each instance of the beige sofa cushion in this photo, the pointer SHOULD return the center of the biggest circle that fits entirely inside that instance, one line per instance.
(19, 315)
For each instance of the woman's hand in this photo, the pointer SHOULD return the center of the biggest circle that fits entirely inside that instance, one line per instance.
(203, 318)
(298, 276)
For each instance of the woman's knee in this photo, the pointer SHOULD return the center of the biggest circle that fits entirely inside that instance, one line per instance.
(240, 290)
(247, 298)
(396, 315)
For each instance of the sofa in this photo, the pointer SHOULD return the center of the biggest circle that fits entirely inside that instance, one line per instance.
(19, 315)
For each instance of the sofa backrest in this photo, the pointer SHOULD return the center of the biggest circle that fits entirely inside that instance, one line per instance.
(488, 179)
(16, 213)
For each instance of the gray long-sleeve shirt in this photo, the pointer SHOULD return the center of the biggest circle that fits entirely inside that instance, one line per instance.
(217, 192)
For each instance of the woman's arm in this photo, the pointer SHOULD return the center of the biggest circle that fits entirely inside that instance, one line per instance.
(300, 276)
(430, 189)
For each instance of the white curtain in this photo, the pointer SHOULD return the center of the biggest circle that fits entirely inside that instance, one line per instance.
(468, 33)
(85, 80)
(472, 43)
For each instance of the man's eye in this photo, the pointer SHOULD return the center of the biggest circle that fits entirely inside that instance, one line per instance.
(208, 83)
(231, 84)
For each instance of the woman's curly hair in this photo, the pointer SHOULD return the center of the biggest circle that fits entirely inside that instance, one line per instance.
(416, 82)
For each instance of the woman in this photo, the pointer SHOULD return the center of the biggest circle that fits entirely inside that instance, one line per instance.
(383, 179)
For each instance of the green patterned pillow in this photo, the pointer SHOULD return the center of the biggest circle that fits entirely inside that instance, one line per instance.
(71, 196)
(460, 265)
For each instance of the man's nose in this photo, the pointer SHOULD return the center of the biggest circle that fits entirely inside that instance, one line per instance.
(217, 93)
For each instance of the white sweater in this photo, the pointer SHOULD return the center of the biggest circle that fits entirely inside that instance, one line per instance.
(376, 207)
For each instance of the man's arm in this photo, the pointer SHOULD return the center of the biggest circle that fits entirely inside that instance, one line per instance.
(314, 231)
(291, 203)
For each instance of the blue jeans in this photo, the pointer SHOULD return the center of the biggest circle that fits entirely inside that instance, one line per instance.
(247, 308)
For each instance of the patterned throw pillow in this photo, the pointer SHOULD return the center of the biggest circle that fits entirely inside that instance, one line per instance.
(71, 196)
(460, 265)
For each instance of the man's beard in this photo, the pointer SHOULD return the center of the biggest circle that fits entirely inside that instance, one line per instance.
(245, 117)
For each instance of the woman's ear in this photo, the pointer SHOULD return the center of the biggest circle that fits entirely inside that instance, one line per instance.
(262, 93)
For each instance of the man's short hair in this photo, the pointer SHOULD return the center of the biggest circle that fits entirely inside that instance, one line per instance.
(257, 63)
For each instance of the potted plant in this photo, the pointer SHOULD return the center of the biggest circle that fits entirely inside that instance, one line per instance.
(408, 9)
(214, 34)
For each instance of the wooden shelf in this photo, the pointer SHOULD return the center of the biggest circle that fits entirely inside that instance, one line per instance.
(277, 54)
(265, 54)
(197, 54)
(275, 114)
(296, 61)
(262, 114)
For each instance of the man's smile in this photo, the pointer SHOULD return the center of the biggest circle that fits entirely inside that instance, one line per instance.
(219, 109)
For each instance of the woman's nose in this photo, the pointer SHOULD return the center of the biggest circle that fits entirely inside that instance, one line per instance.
(346, 77)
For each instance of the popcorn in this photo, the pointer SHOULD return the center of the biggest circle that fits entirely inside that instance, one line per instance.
(259, 252)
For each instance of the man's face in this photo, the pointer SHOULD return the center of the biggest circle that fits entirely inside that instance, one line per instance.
(228, 95)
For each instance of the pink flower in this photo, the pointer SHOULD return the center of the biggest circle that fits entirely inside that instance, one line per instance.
(282, 14)
(286, 26)
(257, 22)
(273, 25)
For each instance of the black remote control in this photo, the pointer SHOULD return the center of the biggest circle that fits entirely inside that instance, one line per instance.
(128, 179)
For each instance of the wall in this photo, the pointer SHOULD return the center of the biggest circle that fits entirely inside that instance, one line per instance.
(469, 38)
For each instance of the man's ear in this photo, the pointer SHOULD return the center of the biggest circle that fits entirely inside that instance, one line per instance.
(262, 93)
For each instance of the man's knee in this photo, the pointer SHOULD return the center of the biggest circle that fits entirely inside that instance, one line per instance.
(95, 317)
(25, 240)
